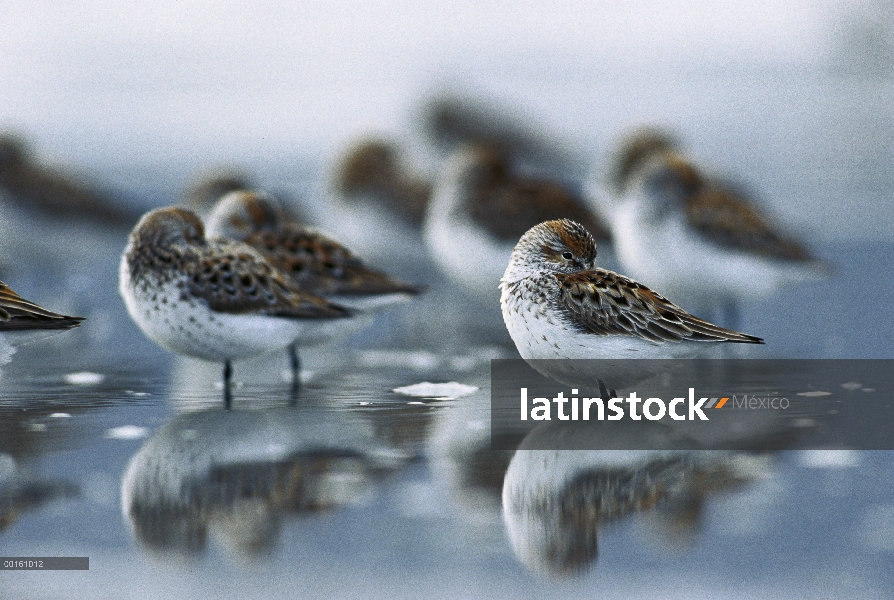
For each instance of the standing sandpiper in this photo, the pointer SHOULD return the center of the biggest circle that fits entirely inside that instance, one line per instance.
(697, 237)
(315, 262)
(558, 305)
(481, 205)
(215, 300)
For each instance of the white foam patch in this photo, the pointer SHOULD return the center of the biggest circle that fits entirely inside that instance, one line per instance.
(814, 394)
(436, 390)
(6, 351)
(852, 385)
(829, 459)
(60, 415)
(8, 466)
(127, 432)
(84, 378)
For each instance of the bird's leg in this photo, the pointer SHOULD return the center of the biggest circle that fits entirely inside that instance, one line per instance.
(295, 361)
(227, 375)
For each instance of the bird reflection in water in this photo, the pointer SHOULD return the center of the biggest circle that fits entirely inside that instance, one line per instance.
(26, 438)
(556, 501)
(21, 493)
(239, 476)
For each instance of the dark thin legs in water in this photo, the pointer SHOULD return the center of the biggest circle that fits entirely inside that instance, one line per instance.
(296, 377)
(227, 375)
(295, 361)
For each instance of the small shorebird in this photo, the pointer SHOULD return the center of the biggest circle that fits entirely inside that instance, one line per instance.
(481, 207)
(51, 192)
(316, 263)
(215, 300)
(373, 198)
(697, 238)
(558, 305)
(208, 187)
(371, 171)
(452, 119)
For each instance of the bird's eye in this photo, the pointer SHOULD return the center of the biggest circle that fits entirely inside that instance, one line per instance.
(567, 255)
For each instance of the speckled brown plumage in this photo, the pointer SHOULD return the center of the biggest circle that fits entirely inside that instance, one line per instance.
(729, 220)
(603, 303)
(507, 204)
(713, 209)
(18, 314)
(314, 261)
(372, 169)
(323, 266)
(230, 277)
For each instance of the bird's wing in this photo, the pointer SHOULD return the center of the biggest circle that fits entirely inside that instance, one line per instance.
(234, 278)
(17, 313)
(321, 265)
(509, 209)
(726, 218)
(602, 302)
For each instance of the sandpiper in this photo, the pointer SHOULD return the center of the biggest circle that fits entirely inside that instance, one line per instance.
(51, 192)
(375, 198)
(215, 300)
(452, 119)
(558, 305)
(372, 171)
(481, 207)
(315, 262)
(695, 237)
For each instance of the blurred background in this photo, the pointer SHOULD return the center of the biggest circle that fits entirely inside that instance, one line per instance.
(794, 99)
(139, 97)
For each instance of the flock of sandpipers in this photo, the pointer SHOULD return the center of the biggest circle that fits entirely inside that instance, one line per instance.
(245, 277)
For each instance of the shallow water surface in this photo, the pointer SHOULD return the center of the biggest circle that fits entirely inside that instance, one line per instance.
(112, 449)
